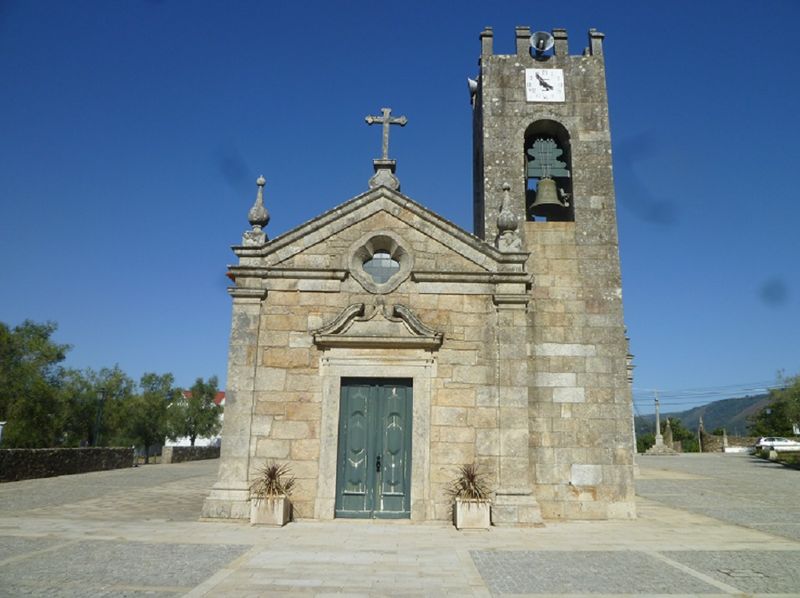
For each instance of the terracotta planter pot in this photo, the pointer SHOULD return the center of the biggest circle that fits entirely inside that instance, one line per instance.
(273, 511)
(473, 514)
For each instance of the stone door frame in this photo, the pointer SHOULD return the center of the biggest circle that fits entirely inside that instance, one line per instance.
(419, 366)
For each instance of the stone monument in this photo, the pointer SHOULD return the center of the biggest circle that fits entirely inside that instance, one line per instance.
(661, 447)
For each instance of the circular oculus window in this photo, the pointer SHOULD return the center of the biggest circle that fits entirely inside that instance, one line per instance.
(379, 262)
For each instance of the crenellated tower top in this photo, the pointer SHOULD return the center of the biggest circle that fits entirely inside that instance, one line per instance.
(560, 42)
(540, 124)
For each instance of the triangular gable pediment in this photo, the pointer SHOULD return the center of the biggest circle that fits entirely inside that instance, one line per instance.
(283, 248)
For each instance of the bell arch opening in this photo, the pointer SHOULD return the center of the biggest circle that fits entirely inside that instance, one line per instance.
(548, 173)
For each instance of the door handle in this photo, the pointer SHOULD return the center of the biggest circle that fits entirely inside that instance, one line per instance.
(378, 464)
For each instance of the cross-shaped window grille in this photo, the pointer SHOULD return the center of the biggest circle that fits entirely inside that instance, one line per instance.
(381, 267)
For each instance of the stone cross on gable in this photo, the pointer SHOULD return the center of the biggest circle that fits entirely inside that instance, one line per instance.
(386, 120)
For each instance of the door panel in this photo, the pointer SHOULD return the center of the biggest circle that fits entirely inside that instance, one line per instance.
(395, 448)
(354, 471)
(374, 469)
(355, 475)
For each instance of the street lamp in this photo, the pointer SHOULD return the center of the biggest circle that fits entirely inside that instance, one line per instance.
(101, 399)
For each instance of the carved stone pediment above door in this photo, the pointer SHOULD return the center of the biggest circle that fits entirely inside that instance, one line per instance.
(379, 326)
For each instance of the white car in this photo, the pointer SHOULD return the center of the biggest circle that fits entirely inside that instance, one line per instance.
(777, 443)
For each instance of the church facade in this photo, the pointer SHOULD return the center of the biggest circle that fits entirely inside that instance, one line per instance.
(378, 346)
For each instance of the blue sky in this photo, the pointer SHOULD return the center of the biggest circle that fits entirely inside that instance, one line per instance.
(132, 132)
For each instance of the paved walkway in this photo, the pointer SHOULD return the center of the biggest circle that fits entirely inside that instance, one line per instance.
(135, 533)
(739, 489)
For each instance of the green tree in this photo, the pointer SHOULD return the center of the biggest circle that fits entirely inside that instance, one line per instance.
(687, 438)
(196, 414)
(92, 413)
(645, 441)
(781, 412)
(143, 417)
(79, 398)
(30, 378)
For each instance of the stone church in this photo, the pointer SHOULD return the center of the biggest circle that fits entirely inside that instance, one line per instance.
(378, 346)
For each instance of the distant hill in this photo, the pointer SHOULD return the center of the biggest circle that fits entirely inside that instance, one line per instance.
(730, 414)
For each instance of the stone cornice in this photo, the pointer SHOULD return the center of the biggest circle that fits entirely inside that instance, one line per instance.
(247, 293)
(476, 277)
(287, 273)
(244, 272)
(510, 300)
(311, 231)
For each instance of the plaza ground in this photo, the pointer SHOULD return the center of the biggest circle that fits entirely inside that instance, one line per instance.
(709, 525)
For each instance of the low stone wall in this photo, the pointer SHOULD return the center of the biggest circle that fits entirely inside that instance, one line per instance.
(714, 444)
(26, 464)
(179, 454)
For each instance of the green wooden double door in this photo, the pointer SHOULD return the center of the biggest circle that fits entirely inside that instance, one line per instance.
(374, 460)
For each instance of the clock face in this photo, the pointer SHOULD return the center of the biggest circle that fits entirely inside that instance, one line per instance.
(544, 85)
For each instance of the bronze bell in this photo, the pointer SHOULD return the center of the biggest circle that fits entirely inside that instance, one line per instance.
(546, 202)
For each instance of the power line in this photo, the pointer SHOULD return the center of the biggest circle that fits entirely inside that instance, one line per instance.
(732, 394)
(696, 399)
(705, 390)
(690, 388)
(685, 405)
(706, 393)
(688, 398)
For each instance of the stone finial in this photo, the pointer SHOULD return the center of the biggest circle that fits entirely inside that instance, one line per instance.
(384, 175)
(506, 221)
(258, 216)
(384, 167)
(507, 237)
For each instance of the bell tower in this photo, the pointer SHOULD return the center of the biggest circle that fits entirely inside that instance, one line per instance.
(540, 124)
(542, 159)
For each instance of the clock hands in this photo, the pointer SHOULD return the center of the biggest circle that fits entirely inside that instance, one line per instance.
(543, 83)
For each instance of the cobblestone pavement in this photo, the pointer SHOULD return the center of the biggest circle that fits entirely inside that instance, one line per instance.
(735, 488)
(136, 533)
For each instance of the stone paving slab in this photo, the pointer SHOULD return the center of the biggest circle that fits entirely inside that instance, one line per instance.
(756, 572)
(736, 488)
(74, 590)
(13, 546)
(604, 572)
(93, 567)
(136, 533)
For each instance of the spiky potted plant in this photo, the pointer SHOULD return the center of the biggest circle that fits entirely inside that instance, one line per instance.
(472, 498)
(269, 495)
